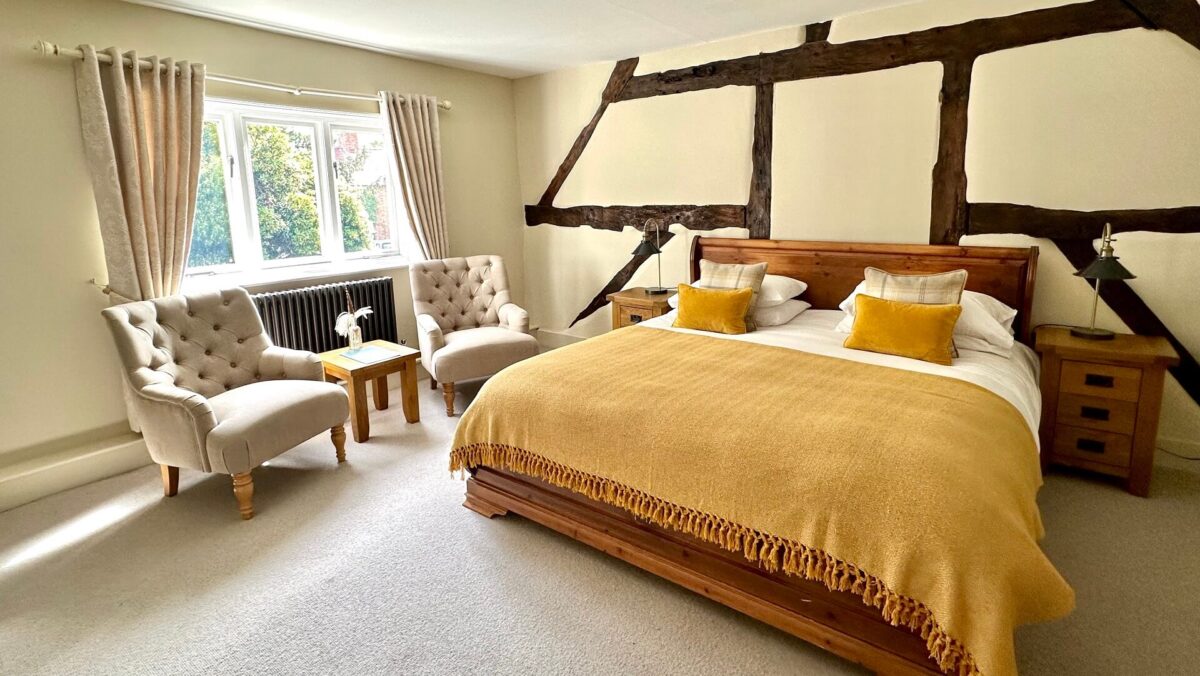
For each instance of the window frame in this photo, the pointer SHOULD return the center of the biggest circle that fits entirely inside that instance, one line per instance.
(233, 118)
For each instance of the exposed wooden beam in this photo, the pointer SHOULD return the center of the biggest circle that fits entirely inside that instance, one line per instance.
(1181, 17)
(948, 211)
(690, 216)
(817, 32)
(621, 74)
(825, 59)
(619, 280)
(1136, 314)
(994, 218)
(758, 207)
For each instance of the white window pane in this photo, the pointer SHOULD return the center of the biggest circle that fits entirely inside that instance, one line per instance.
(285, 190)
(361, 168)
(211, 243)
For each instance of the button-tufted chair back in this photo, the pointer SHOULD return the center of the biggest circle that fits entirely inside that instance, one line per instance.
(460, 293)
(207, 343)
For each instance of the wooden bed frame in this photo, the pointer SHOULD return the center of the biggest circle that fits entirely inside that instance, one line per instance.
(836, 621)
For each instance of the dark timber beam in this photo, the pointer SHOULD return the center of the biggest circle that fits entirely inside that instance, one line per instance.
(993, 218)
(1136, 314)
(946, 43)
(948, 211)
(817, 32)
(1181, 17)
(619, 280)
(690, 216)
(758, 207)
(621, 74)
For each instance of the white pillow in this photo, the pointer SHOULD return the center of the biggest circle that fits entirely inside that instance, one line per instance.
(776, 289)
(778, 315)
(985, 324)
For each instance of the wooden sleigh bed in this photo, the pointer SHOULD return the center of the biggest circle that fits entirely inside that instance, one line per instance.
(835, 621)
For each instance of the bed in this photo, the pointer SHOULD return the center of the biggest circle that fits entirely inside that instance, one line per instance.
(897, 589)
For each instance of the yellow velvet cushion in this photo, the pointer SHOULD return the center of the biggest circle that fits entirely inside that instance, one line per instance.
(716, 310)
(914, 330)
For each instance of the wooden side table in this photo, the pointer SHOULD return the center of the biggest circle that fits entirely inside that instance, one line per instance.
(1100, 402)
(357, 374)
(635, 305)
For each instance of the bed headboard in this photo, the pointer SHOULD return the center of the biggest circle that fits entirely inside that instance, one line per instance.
(833, 269)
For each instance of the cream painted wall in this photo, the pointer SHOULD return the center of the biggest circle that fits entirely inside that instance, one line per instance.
(60, 385)
(1099, 122)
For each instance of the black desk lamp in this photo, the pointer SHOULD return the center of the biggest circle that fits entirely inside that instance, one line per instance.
(648, 248)
(1104, 267)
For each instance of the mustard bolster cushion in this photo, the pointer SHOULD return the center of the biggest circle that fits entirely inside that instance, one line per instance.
(716, 310)
(913, 330)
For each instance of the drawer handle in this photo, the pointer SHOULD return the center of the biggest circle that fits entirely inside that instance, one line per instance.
(1093, 413)
(1097, 380)
(1089, 445)
(635, 318)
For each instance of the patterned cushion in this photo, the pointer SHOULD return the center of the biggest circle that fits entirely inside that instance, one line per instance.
(941, 289)
(734, 276)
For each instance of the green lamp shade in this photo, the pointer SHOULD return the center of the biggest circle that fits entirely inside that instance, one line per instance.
(1105, 267)
(646, 248)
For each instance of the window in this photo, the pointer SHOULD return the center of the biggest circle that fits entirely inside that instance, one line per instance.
(287, 186)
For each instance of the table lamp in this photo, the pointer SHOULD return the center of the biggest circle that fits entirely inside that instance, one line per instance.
(1104, 267)
(648, 248)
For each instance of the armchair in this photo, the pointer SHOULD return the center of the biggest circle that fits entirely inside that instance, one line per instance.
(467, 325)
(212, 393)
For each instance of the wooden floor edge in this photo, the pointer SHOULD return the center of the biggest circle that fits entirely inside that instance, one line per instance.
(847, 646)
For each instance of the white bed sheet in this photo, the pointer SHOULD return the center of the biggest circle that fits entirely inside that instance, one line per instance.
(1013, 378)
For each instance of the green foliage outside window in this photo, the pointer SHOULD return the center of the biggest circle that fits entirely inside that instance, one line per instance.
(210, 228)
(285, 190)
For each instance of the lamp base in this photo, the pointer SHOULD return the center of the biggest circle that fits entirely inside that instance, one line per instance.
(1092, 334)
(657, 290)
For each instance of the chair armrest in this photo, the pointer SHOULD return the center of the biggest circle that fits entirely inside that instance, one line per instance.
(175, 423)
(430, 339)
(281, 363)
(513, 317)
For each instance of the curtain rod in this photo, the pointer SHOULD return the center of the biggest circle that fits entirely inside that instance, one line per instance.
(50, 49)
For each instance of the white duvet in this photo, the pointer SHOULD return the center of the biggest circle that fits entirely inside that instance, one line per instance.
(1013, 378)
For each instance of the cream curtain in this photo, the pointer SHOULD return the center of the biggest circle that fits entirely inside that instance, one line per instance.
(412, 122)
(141, 136)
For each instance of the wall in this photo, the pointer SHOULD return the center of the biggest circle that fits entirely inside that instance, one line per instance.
(60, 395)
(1098, 122)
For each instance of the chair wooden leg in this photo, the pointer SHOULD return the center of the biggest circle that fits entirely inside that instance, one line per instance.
(243, 490)
(448, 395)
(339, 441)
(170, 476)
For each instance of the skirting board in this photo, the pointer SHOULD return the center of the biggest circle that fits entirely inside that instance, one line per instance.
(552, 340)
(36, 478)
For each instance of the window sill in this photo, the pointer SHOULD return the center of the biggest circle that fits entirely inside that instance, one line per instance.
(314, 273)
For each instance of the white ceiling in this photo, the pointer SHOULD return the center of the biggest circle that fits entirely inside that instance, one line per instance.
(514, 38)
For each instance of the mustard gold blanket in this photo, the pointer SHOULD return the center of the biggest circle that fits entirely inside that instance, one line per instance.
(915, 491)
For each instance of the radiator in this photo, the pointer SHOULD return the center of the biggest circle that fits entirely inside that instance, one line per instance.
(303, 319)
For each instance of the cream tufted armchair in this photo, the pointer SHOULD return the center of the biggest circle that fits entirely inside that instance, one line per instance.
(211, 392)
(467, 325)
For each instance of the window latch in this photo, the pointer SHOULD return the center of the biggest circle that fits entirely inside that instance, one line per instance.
(231, 166)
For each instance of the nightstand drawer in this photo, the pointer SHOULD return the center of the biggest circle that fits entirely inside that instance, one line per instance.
(1100, 380)
(1094, 445)
(633, 315)
(1109, 415)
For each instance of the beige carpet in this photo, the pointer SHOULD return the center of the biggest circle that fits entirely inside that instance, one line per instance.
(375, 567)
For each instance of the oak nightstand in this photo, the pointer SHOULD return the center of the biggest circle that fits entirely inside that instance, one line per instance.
(1100, 402)
(635, 305)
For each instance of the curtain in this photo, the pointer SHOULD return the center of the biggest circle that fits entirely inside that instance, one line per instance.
(141, 135)
(412, 122)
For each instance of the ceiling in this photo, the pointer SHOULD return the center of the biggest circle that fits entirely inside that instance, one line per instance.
(514, 38)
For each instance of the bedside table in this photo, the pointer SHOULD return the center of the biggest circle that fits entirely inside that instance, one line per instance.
(1100, 402)
(635, 305)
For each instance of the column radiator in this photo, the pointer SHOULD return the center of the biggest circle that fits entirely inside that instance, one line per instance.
(303, 319)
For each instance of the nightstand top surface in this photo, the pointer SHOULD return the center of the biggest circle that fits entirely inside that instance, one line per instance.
(638, 296)
(1123, 347)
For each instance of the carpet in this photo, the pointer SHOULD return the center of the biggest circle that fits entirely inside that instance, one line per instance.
(375, 567)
